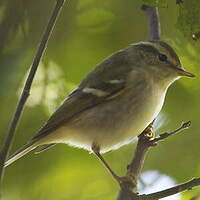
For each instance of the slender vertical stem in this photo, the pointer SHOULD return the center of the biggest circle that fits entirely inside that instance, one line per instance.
(153, 22)
(25, 93)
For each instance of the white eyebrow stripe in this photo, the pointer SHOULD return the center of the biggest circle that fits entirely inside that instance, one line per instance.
(116, 81)
(95, 92)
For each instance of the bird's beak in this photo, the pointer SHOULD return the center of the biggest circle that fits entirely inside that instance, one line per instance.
(182, 72)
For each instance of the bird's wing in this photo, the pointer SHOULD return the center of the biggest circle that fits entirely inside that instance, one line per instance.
(90, 93)
(78, 101)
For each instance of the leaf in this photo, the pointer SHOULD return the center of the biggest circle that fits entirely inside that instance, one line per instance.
(188, 21)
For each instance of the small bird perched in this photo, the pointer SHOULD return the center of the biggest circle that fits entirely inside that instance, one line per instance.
(114, 103)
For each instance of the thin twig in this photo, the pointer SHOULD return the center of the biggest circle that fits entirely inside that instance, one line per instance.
(25, 93)
(171, 191)
(153, 22)
(162, 136)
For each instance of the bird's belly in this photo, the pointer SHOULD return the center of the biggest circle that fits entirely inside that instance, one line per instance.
(132, 125)
(106, 126)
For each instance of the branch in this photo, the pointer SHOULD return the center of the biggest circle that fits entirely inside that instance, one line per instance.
(171, 191)
(153, 22)
(25, 93)
(134, 169)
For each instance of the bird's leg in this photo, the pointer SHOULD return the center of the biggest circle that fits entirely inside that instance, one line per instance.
(119, 179)
(96, 151)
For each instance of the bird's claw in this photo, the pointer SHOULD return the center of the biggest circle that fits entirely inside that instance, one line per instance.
(149, 132)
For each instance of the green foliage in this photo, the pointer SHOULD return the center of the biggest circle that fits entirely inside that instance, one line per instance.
(88, 31)
(189, 18)
(158, 3)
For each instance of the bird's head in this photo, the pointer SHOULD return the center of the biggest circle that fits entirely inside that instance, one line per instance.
(159, 60)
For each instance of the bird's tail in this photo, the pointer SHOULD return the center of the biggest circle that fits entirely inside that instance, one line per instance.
(21, 152)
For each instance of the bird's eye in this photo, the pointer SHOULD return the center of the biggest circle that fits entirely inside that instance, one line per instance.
(162, 57)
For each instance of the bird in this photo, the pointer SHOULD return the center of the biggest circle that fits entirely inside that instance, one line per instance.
(113, 104)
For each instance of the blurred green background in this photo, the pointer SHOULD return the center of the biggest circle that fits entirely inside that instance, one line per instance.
(87, 32)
